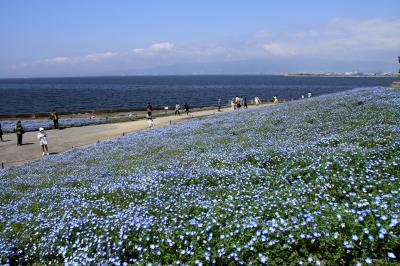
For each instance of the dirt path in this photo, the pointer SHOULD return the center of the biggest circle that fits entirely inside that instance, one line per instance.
(65, 139)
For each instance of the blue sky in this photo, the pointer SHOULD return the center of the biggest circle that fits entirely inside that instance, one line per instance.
(74, 38)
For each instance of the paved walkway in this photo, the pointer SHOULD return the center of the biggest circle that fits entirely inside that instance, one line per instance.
(65, 139)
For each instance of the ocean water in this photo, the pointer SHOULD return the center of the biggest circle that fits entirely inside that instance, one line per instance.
(96, 93)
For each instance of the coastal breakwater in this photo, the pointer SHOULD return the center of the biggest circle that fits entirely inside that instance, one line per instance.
(103, 112)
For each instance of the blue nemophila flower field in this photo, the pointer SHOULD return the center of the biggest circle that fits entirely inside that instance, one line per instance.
(311, 182)
(35, 124)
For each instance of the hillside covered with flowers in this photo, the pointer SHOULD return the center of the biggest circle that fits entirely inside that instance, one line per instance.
(313, 182)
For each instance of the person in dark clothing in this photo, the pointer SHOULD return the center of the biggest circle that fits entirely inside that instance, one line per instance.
(19, 130)
(186, 106)
(1, 134)
(245, 103)
(149, 109)
(219, 105)
(54, 116)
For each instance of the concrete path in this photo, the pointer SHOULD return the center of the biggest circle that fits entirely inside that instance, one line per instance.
(65, 139)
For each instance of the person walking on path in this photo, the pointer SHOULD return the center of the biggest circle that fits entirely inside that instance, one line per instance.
(150, 121)
(42, 137)
(241, 101)
(177, 107)
(245, 103)
(233, 104)
(238, 103)
(219, 105)
(54, 116)
(186, 106)
(1, 134)
(149, 109)
(19, 130)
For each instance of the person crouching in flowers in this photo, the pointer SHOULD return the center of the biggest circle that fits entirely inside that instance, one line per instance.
(42, 137)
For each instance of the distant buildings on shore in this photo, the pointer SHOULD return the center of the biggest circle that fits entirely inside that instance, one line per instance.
(345, 74)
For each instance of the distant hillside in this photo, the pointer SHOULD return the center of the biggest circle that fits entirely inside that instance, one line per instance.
(267, 66)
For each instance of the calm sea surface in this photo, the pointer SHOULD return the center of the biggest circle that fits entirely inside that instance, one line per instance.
(77, 94)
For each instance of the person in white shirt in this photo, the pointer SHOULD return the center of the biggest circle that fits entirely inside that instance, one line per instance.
(42, 137)
(233, 104)
(177, 107)
(150, 121)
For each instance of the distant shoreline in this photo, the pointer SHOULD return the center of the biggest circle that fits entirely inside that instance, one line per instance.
(341, 76)
(99, 112)
(338, 75)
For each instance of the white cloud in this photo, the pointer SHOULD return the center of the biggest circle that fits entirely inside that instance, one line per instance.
(162, 46)
(283, 49)
(138, 50)
(202, 51)
(372, 34)
(155, 48)
(57, 60)
(341, 38)
(19, 66)
(63, 60)
(99, 57)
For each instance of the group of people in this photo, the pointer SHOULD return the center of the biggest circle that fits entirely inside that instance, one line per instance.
(41, 136)
(238, 102)
(20, 131)
(308, 95)
(178, 108)
(149, 109)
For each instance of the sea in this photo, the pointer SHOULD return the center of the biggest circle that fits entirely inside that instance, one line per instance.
(133, 92)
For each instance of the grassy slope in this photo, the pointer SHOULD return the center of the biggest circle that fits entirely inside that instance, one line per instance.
(315, 180)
